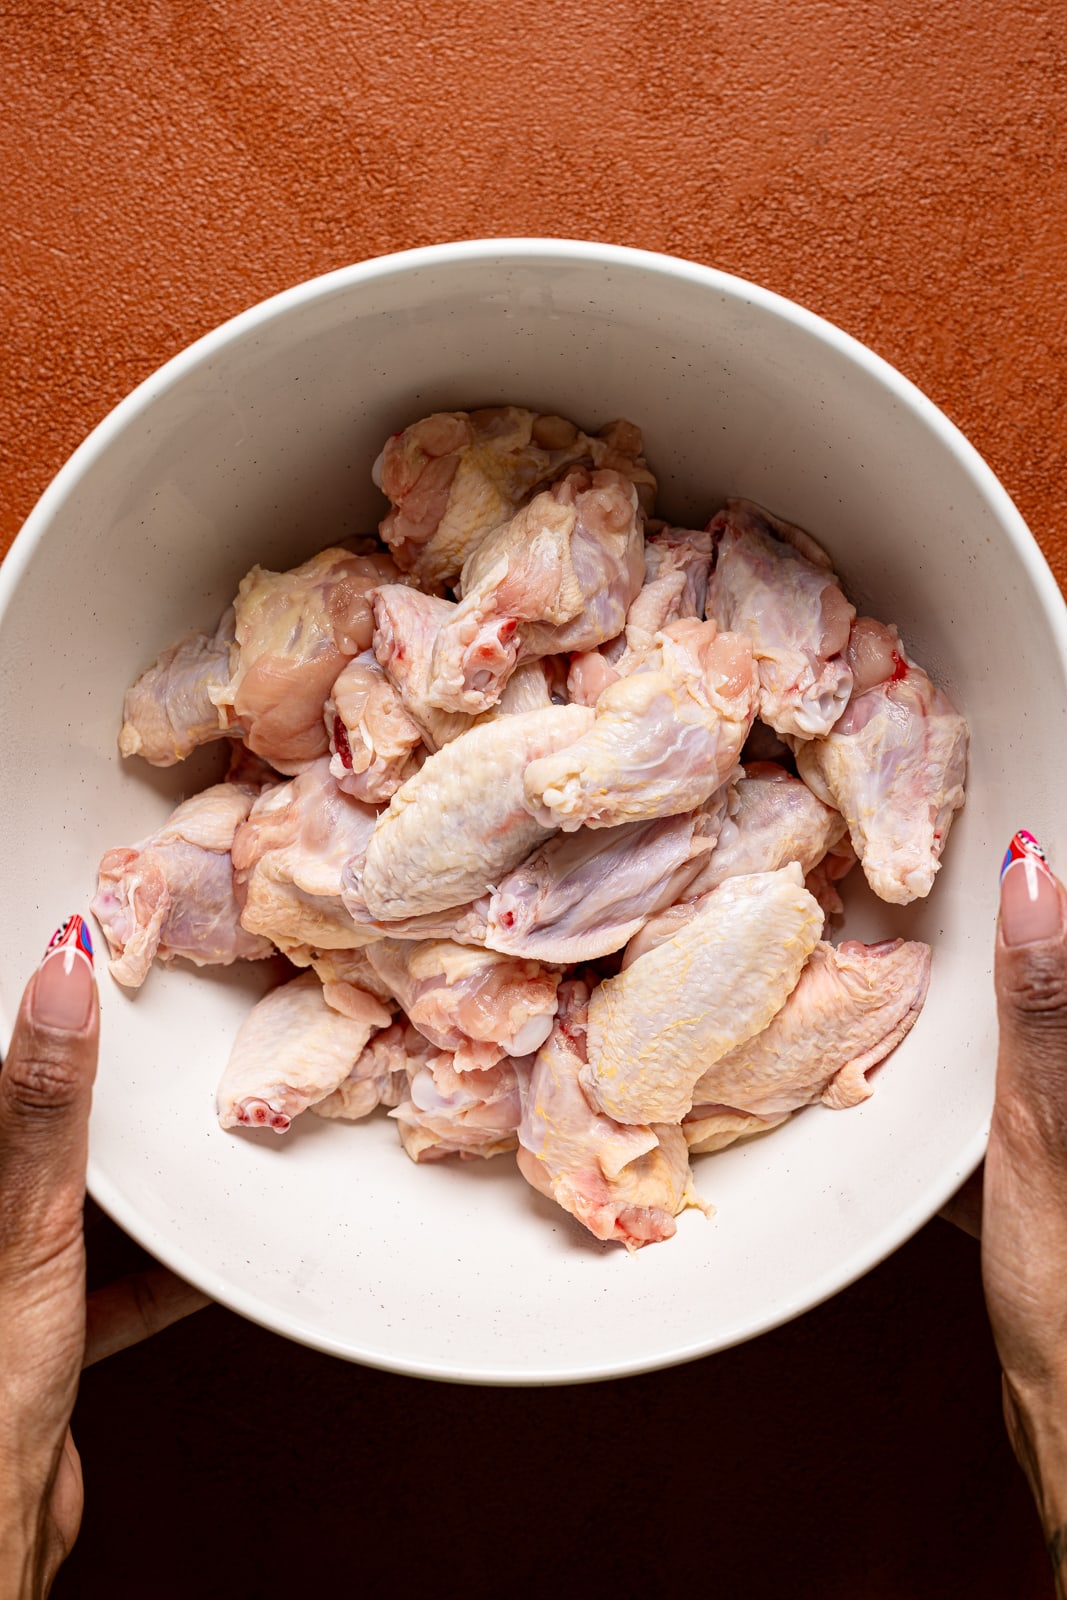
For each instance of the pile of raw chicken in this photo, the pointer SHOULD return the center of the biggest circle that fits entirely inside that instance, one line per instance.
(550, 800)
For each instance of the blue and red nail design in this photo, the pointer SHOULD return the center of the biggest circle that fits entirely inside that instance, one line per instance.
(1023, 847)
(73, 938)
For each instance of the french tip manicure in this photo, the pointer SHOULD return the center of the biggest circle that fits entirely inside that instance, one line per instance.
(64, 986)
(1030, 905)
(1023, 846)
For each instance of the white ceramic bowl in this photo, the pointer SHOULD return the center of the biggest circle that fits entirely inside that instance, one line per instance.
(256, 445)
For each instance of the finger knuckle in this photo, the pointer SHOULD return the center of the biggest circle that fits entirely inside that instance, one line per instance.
(1036, 989)
(41, 1081)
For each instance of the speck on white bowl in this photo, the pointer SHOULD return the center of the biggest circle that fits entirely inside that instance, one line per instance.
(256, 444)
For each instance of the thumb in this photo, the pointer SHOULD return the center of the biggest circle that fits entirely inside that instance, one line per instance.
(45, 1095)
(1031, 985)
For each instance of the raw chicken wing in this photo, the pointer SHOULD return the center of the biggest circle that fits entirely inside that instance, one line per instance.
(374, 744)
(461, 822)
(774, 584)
(664, 739)
(625, 1183)
(559, 576)
(455, 476)
(583, 895)
(293, 1050)
(851, 1006)
(171, 708)
(476, 1003)
(295, 631)
(671, 1014)
(893, 766)
(173, 894)
(773, 820)
(287, 861)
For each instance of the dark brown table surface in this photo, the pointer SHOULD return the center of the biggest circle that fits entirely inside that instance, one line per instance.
(897, 167)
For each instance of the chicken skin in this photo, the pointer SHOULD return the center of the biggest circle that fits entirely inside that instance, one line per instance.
(465, 924)
(583, 895)
(774, 819)
(287, 861)
(337, 969)
(173, 894)
(451, 1112)
(670, 1015)
(559, 576)
(621, 1182)
(295, 631)
(851, 1006)
(893, 765)
(477, 1004)
(664, 738)
(292, 1050)
(455, 476)
(675, 586)
(461, 822)
(406, 625)
(171, 709)
(374, 744)
(380, 1075)
(774, 584)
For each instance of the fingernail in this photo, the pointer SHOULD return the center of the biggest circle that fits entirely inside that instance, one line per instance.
(63, 989)
(1030, 908)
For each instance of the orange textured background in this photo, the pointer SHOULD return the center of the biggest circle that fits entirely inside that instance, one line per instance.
(896, 165)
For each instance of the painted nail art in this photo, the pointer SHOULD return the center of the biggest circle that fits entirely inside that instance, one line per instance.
(72, 938)
(63, 992)
(1023, 847)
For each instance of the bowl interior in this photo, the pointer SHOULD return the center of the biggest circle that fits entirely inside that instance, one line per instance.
(257, 446)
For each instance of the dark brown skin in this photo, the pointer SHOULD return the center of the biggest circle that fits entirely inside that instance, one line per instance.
(48, 1331)
(1019, 1205)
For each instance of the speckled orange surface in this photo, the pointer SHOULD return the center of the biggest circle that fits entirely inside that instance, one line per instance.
(897, 166)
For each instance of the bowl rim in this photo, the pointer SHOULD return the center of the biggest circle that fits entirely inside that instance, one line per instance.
(548, 251)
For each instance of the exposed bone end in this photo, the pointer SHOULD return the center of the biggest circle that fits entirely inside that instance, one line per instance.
(259, 1114)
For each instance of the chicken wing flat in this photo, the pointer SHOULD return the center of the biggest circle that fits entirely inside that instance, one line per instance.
(173, 894)
(455, 476)
(461, 822)
(772, 583)
(893, 765)
(582, 895)
(663, 740)
(292, 1050)
(669, 1016)
(851, 1006)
